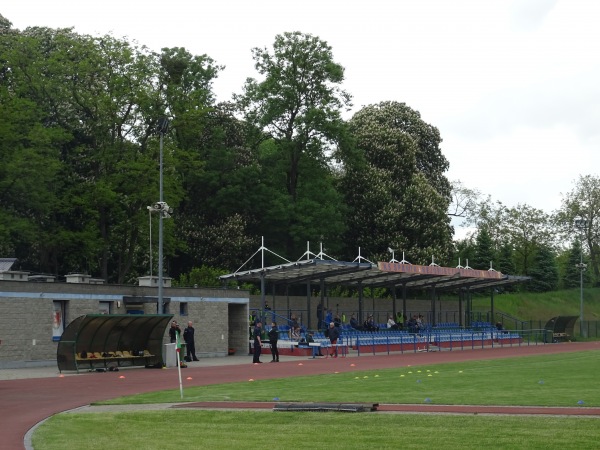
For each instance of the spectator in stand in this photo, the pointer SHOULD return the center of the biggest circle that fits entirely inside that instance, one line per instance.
(337, 321)
(420, 323)
(293, 320)
(268, 308)
(257, 349)
(316, 350)
(369, 324)
(400, 320)
(190, 344)
(320, 316)
(333, 335)
(391, 324)
(328, 317)
(295, 333)
(412, 324)
(273, 337)
(354, 323)
(294, 328)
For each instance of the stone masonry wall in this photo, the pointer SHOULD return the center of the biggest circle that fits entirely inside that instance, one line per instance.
(26, 316)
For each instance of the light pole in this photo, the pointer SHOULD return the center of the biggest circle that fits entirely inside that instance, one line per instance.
(581, 225)
(150, 237)
(163, 126)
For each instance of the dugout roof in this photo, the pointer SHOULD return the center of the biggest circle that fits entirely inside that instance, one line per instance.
(109, 333)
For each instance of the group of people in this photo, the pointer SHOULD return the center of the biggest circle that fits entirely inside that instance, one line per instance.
(415, 324)
(332, 325)
(188, 338)
(273, 335)
(333, 333)
(368, 324)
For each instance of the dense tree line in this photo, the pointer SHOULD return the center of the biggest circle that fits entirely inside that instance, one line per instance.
(79, 154)
(524, 240)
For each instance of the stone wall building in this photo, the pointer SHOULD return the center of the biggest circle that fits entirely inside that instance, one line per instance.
(33, 314)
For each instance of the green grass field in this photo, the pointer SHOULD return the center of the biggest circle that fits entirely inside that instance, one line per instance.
(549, 380)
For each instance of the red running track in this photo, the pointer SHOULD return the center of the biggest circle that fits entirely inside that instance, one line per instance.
(26, 402)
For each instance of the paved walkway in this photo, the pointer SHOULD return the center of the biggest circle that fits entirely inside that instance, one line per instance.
(26, 401)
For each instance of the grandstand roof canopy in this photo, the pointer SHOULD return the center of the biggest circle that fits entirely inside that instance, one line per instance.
(382, 274)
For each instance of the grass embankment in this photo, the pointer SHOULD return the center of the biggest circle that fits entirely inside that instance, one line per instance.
(549, 380)
(543, 306)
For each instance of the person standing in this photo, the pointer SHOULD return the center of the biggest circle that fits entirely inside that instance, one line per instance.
(273, 337)
(257, 344)
(337, 320)
(320, 316)
(333, 334)
(174, 331)
(400, 320)
(188, 337)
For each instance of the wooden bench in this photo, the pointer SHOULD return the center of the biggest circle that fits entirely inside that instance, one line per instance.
(104, 358)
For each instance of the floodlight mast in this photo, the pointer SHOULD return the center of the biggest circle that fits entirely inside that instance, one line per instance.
(581, 225)
(163, 126)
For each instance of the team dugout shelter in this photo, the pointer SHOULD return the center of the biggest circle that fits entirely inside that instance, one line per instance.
(104, 341)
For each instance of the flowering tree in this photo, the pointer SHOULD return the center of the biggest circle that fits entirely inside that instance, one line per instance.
(395, 186)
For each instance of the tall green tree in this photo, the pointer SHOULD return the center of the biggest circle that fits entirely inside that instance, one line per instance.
(298, 105)
(218, 216)
(572, 268)
(96, 93)
(543, 271)
(30, 149)
(583, 202)
(527, 229)
(484, 251)
(394, 186)
(505, 263)
(464, 200)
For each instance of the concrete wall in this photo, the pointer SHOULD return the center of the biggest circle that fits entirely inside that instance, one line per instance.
(26, 315)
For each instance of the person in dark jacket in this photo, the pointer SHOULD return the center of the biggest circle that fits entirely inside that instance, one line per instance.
(354, 323)
(273, 337)
(188, 337)
(257, 349)
(333, 335)
(174, 331)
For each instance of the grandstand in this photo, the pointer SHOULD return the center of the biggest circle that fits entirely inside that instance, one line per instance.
(443, 337)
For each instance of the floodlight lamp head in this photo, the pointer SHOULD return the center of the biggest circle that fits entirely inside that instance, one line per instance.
(580, 223)
(162, 126)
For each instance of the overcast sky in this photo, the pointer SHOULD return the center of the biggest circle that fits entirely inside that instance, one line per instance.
(513, 86)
